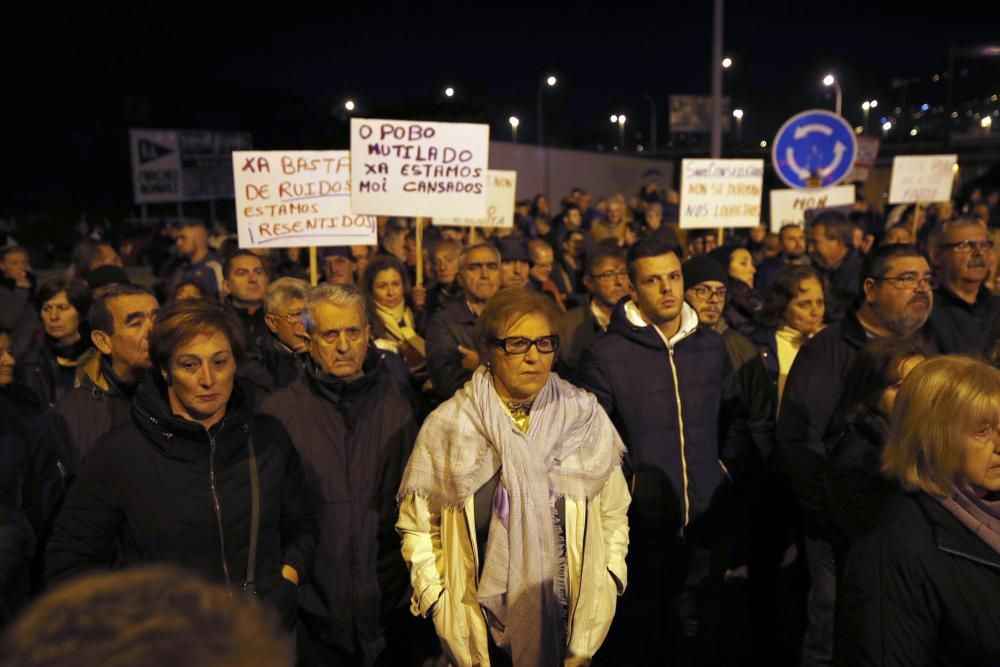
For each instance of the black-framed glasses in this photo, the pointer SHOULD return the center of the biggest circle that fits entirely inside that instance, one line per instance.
(965, 247)
(521, 345)
(706, 293)
(910, 281)
(608, 276)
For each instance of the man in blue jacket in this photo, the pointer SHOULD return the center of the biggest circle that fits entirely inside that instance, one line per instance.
(670, 389)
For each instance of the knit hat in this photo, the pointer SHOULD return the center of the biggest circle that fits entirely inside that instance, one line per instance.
(512, 249)
(702, 268)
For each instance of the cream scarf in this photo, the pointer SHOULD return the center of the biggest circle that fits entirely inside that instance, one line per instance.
(399, 324)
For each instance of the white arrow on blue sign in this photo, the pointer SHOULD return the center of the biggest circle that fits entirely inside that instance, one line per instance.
(814, 149)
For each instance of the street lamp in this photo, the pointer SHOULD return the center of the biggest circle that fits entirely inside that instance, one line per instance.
(620, 119)
(886, 126)
(449, 92)
(727, 63)
(986, 123)
(550, 82)
(828, 80)
(349, 105)
(738, 115)
(514, 122)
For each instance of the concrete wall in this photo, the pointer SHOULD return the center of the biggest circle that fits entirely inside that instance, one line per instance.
(554, 171)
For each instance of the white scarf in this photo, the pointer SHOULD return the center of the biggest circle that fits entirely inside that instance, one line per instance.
(570, 449)
(399, 324)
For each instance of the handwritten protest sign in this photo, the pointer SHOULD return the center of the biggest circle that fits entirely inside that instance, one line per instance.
(501, 187)
(922, 178)
(410, 168)
(788, 207)
(286, 199)
(721, 193)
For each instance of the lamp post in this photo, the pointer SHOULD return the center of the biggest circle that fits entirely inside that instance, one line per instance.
(620, 120)
(829, 80)
(866, 107)
(652, 120)
(886, 126)
(738, 115)
(550, 81)
(514, 122)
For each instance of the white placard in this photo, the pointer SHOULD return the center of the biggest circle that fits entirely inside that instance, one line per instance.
(721, 193)
(287, 199)
(922, 178)
(156, 166)
(501, 189)
(788, 207)
(414, 168)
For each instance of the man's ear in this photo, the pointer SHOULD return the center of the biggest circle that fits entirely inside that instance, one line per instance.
(225, 287)
(101, 340)
(868, 286)
(272, 323)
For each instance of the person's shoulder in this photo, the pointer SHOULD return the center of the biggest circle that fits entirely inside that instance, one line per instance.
(287, 398)
(119, 448)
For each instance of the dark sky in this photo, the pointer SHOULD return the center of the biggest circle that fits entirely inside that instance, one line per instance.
(81, 73)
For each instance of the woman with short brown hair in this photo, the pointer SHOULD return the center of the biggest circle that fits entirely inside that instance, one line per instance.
(196, 478)
(513, 505)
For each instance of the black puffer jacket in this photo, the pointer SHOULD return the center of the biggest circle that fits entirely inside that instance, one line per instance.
(354, 438)
(922, 589)
(162, 488)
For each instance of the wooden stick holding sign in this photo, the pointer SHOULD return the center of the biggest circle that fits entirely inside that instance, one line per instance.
(313, 268)
(420, 252)
(472, 235)
(913, 222)
(720, 239)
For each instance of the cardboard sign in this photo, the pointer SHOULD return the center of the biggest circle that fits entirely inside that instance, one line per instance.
(721, 193)
(411, 168)
(788, 207)
(865, 161)
(287, 199)
(922, 178)
(501, 187)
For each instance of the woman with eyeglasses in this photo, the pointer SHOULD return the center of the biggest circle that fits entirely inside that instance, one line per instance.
(513, 505)
(923, 588)
(792, 314)
(855, 485)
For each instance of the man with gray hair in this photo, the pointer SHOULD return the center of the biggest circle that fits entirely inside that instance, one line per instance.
(451, 355)
(964, 310)
(354, 424)
(284, 304)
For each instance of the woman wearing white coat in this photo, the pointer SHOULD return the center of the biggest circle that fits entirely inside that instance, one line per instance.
(513, 505)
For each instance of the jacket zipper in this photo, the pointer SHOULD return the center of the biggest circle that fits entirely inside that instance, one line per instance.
(215, 501)
(680, 424)
(974, 559)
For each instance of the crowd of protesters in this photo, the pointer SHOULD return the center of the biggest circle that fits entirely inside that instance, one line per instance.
(590, 438)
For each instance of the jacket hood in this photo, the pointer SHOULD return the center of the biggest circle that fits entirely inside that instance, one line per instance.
(626, 320)
(181, 439)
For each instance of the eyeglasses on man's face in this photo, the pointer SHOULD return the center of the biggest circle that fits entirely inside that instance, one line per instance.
(967, 246)
(521, 345)
(608, 276)
(909, 281)
(707, 293)
(294, 317)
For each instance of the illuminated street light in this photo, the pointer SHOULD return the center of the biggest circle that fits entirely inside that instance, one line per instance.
(913, 132)
(986, 123)
(828, 81)
(514, 122)
(738, 115)
(449, 91)
(620, 120)
(727, 63)
(551, 81)
(763, 144)
(349, 105)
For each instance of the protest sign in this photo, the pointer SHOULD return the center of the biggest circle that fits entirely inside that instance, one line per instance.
(788, 207)
(922, 178)
(865, 160)
(287, 199)
(720, 193)
(501, 188)
(410, 168)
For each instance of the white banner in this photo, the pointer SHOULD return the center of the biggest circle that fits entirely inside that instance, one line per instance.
(501, 188)
(922, 178)
(411, 168)
(287, 199)
(788, 207)
(721, 193)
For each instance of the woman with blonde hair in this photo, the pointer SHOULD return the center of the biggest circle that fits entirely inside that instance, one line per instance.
(924, 587)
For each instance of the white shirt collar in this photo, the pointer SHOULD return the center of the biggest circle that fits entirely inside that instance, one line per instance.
(689, 322)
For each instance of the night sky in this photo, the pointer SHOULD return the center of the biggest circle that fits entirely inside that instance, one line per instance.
(80, 75)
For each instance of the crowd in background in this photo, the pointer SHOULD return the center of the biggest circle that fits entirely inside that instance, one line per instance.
(799, 437)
